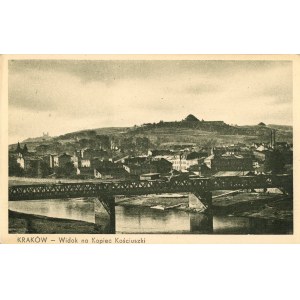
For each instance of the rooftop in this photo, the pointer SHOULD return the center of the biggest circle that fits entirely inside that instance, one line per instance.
(231, 173)
(150, 174)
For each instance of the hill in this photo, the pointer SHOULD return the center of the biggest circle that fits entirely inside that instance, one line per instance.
(192, 130)
(281, 127)
(162, 134)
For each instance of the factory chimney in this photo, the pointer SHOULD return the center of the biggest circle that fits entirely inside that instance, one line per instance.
(273, 138)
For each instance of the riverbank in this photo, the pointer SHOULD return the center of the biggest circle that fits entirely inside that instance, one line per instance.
(277, 207)
(247, 214)
(256, 205)
(152, 200)
(28, 223)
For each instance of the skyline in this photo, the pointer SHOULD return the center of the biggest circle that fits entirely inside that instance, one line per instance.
(60, 96)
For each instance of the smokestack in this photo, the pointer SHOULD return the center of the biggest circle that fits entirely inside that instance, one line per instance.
(274, 140)
(271, 141)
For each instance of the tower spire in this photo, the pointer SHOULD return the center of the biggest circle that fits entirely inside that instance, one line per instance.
(19, 150)
(25, 149)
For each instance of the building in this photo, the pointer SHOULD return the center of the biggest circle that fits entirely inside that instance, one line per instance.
(23, 151)
(205, 171)
(64, 159)
(20, 160)
(86, 173)
(110, 173)
(208, 160)
(158, 152)
(218, 151)
(75, 160)
(150, 176)
(135, 160)
(140, 168)
(231, 163)
(51, 160)
(85, 163)
(109, 170)
(232, 173)
(29, 163)
(182, 161)
(33, 166)
(107, 165)
(194, 169)
(162, 165)
(260, 155)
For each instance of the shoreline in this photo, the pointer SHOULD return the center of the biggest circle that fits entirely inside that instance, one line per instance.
(272, 208)
(23, 223)
(265, 206)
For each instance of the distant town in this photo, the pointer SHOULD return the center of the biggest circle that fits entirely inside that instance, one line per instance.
(190, 148)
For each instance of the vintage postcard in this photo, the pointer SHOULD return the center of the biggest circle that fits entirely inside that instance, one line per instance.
(118, 149)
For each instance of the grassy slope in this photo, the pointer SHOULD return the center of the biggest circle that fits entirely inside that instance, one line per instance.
(165, 135)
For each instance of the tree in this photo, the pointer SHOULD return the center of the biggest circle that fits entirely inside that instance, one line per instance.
(274, 162)
(210, 143)
(45, 169)
(41, 149)
(14, 168)
(69, 169)
(142, 143)
(103, 141)
(84, 143)
(91, 133)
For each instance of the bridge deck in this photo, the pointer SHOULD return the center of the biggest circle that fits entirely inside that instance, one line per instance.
(88, 189)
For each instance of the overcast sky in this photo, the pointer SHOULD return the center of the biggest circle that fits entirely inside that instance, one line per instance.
(61, 96)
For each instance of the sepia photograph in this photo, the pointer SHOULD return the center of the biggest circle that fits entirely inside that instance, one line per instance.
(149, 150)
(186, 146)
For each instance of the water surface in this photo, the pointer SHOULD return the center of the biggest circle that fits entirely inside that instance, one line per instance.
(138, 219)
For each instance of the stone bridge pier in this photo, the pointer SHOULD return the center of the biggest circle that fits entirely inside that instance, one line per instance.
(200, 201)
(201, 221)
(105, 214)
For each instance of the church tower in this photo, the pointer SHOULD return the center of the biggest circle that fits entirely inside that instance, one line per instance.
(19, 150)
(25, 149)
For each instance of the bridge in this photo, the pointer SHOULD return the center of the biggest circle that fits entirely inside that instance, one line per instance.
(105, 191)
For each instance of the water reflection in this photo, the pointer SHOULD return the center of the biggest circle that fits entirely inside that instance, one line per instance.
(147, 220)
(137, 219)
(201, 223)
(74, 209)
(231, 225)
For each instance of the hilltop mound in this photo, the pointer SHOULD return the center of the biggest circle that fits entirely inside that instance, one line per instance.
(191, 118)
(261, 124)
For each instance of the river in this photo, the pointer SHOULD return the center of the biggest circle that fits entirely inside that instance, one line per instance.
(141, 219)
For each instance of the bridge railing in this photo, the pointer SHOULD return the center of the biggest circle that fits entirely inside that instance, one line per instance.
(90, 189)
(251, 182)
